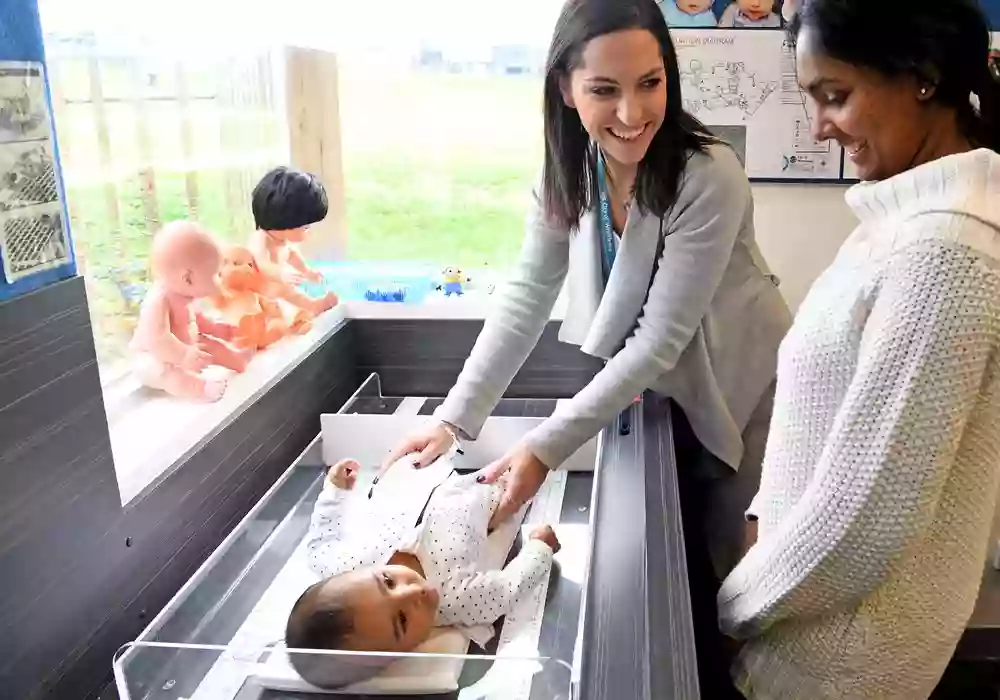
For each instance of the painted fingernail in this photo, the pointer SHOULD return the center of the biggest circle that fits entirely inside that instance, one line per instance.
(460, 451)
(480, 479)
(374, 481)
(416, 463)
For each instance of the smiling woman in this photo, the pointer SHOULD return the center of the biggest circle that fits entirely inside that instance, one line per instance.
(895, 101)
(648, 222)
(889, 381)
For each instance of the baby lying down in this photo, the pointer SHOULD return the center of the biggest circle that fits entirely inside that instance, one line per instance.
(392, 575)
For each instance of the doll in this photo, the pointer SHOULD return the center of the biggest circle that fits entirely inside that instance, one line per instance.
(172, 342)
(242, 302)
(285, 203)
(688, 13)
(750, 14)
(452, 281)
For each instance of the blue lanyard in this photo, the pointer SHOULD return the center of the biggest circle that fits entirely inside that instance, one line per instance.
(607, 230)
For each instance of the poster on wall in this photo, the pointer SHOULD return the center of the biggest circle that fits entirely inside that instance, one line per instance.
(33, 232)
(743, 85)
(728, 14)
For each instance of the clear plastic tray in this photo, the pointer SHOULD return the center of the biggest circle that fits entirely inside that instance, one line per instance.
(162, 671)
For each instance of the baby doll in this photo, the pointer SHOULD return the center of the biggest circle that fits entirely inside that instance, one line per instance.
(173, 343)
(285, 203)
(750, 14)
(243, 303)
(389, 579)
(688, 13)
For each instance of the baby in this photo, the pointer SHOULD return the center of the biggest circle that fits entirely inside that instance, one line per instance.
(687, 13)
(391, 576)
(750, 14)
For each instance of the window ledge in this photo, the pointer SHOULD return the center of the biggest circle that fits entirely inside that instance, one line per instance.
(151, 432)
(474, 305)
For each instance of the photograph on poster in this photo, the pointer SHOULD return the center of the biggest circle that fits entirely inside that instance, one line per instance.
(23, 112)
(33, 239)
(751, 14)
(27, 175)
(727, 14)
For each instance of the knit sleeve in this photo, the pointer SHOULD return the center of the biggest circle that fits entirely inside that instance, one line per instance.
(481, 598)
(923, 355)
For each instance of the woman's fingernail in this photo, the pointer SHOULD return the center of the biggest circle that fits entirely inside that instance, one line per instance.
(374, 481)
(480, 479)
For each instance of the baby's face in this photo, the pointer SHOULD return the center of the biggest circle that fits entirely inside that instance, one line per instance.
(693, 7)
(393, 608)
(756, 9)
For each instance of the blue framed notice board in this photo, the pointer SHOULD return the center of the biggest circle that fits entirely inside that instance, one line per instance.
(35, 243)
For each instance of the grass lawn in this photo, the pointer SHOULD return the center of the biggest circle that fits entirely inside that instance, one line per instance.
(438, 168)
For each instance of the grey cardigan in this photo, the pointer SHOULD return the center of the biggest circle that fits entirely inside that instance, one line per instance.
(702, 326)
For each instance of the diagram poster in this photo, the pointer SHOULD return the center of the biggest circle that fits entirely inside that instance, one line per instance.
(744, 84)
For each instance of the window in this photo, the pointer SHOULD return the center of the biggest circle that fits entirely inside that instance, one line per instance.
(148, 137)
(438, 140)
(440, 107)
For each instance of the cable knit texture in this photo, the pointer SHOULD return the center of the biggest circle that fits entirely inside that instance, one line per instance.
(882, 465)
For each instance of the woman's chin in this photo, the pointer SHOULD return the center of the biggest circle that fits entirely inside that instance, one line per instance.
(624, 152)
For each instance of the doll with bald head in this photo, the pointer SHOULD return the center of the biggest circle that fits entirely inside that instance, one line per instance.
(173, 343)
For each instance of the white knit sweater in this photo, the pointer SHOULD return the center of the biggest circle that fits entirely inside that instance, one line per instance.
(883, 460)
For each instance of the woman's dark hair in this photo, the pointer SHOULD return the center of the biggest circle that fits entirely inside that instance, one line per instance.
(568, 184)
(286, 199)
(940, 43)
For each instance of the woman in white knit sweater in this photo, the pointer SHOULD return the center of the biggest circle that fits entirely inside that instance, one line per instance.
(883, 460)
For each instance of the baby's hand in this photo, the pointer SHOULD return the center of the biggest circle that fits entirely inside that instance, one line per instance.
(195, 359)
(344, 474)
(545, 533)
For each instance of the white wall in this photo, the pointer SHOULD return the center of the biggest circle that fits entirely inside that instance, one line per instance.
(799, 230)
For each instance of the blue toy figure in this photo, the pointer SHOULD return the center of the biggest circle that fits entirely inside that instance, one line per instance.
(453, 281)
(687, 13)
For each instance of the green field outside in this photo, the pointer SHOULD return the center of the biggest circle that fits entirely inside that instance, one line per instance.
(438, 168)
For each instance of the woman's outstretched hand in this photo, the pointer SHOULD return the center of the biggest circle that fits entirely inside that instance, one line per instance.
(525, 475)
(426, 445)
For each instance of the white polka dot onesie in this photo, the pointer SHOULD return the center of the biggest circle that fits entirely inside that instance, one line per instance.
(350, 531)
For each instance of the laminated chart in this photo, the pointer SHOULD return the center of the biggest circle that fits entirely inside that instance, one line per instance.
(33, 233)
(742, 84)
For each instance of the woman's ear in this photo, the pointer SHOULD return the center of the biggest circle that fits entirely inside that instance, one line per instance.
(567, 92)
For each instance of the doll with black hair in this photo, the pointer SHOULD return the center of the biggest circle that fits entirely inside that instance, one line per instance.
(285, 203)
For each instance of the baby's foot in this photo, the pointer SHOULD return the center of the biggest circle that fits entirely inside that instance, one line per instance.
(214, 390)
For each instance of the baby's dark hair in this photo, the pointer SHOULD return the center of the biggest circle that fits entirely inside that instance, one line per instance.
(323, 620)
(317, 622)
(286, 199)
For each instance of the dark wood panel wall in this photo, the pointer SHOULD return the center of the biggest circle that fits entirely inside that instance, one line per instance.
(424, 357)
(79, 574)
